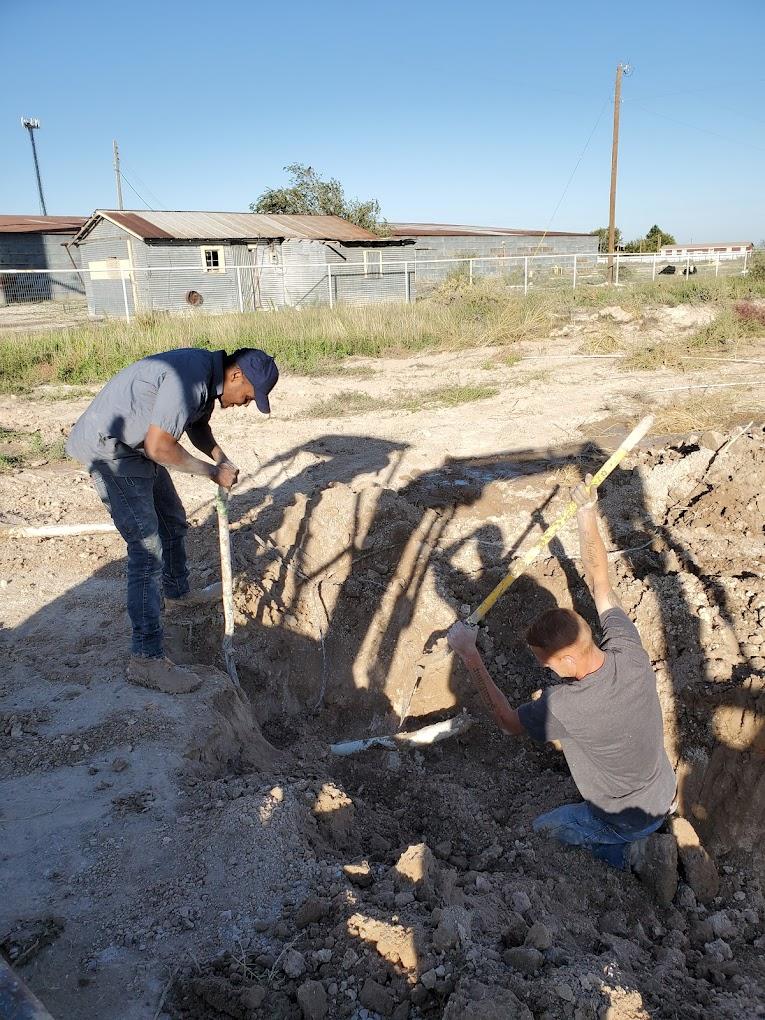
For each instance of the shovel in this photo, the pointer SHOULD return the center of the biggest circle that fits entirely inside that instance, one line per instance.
(227, 579)
(525, 561)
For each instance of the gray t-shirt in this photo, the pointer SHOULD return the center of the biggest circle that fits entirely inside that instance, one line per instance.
(610, 727)
(174, 391)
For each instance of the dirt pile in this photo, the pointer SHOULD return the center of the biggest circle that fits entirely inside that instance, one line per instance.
(486, 920)
(404, 883)
(416, 886)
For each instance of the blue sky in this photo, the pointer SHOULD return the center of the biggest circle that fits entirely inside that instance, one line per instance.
(456, 112)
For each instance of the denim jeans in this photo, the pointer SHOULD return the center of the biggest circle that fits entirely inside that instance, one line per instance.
(149, 515)
(578, 825)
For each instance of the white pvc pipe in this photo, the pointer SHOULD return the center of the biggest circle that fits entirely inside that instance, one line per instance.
(432, 734)
(55, 530)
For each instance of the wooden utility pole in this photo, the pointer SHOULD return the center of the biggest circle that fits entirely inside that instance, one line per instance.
(128, 240)
(620, 71)
(117, 177)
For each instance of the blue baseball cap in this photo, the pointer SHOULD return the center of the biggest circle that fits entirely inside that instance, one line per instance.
(260, 369)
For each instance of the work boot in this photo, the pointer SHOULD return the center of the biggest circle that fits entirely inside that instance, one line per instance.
(654, 861)
(161, 674)
(195, 597)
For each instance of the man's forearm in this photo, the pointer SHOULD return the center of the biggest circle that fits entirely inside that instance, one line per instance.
(505, 716)
(181, 460)
(204, 440)
(595, 560)
(591, 547)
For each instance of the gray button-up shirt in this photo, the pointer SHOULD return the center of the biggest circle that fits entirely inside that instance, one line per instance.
(173, 391)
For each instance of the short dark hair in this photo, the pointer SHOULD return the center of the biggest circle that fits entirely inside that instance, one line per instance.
(557, 628)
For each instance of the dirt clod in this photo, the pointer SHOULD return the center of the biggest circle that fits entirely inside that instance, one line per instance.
(698, 867)
(312, 999)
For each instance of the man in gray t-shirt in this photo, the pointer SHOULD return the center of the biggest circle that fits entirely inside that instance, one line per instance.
(607, 718)
(127, 439)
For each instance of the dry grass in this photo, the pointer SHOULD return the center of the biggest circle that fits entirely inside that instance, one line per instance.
(729, 330)
(503, 359)
(719, 410)
(602, 341)
(655, 354)
(351, 402)
(454, 316)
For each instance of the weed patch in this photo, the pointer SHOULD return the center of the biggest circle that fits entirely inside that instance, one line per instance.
(21, 449)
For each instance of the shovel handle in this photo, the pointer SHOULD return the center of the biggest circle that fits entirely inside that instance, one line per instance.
(227, 579)
(525, 561)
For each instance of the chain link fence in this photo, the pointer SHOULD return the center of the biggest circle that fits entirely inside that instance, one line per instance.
(30, 297)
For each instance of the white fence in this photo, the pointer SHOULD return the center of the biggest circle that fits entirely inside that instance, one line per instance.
(122, 291)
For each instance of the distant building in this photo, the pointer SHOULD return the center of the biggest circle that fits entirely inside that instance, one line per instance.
(39, 242)
(226, 262)
(709, 248)
(451, 240)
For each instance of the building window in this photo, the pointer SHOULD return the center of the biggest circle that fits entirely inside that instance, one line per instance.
(212, 260)
(372, 263)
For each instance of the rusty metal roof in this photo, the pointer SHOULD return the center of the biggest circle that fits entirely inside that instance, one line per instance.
(228, 226)
(708, 244)
(41, 224)
(461, 230)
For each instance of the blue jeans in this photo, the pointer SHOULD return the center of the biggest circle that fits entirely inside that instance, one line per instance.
(578, 825)
(149, 515)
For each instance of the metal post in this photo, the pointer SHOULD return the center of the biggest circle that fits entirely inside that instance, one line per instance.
(717, 265)
(525, 274)
(329, 284)
(32, 125)
(653, 268)
(406, 283)
(239, 288)
(746, 253)
(616, 278)
(471, 271)
(688, 268)
(284, 285)
(124, 296)
(574, 283)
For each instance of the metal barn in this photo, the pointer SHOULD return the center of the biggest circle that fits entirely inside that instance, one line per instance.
(39, 243)
(141, 261)
(451, 241)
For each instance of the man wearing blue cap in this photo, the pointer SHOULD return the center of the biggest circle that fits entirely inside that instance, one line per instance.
(127, 439)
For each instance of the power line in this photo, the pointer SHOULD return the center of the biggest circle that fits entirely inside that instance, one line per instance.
(706, 89)
(147, 189)
(135, 192)
(695, 127)
(573, 172)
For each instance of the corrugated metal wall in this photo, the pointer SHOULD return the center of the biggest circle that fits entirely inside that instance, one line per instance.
(161, 289)
(356, 279)
(272, 274)
(437, 247)
(105, 296)
(39, 251)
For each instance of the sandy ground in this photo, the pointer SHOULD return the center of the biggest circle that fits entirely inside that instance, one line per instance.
(157, 865)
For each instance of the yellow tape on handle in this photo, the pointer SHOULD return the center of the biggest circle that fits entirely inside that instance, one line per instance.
(520, 566)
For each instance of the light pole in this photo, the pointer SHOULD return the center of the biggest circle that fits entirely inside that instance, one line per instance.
(32, 125)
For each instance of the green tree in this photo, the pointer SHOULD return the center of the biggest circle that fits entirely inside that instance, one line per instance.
(602, 233)
(308, 194)
(653, 240)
